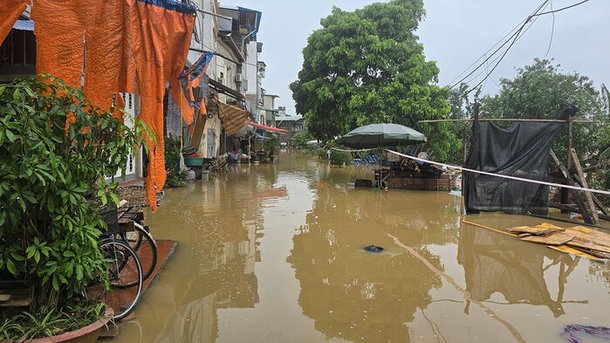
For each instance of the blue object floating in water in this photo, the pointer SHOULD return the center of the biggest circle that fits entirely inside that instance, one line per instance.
(373, 248)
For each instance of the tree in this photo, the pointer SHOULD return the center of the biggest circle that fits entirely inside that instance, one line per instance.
(540, 90)
(368, 66)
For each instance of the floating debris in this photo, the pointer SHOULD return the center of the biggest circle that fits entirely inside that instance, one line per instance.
(373, 248)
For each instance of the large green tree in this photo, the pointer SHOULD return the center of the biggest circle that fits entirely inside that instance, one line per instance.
(367, 66)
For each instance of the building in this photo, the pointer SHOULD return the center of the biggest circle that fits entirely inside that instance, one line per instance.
(290, 123)
(268, 110)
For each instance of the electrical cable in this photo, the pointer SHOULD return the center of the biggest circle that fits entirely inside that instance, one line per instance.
(511, 37)
(561, 9)
(507, 35)
(519, 35)
(552, 32)
(531, 19)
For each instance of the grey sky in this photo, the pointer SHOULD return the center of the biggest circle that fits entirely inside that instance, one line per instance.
(454, 33)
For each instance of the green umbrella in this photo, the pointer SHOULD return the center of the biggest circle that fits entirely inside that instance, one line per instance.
(381, 135)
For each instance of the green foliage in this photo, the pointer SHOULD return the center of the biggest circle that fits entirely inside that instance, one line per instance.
(52, 185)
(367, 66)
(340, 157)
(270, 145)
(540, 90)
(50, 322)
(301, 138)
(172, 163)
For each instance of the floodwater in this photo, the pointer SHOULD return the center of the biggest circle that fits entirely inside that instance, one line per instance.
(273, 253)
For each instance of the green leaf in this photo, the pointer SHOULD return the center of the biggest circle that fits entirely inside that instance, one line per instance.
(79, 272)
(10, 136)
(10, 265)
(55, 282)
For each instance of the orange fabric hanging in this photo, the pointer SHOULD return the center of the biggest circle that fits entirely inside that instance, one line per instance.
(165, 40)
(9, 13)
(105, 47)
(60, 37)
(112, 41)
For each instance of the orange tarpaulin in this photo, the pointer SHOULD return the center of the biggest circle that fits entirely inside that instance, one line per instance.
(115, 44)
(10, 10)
(165, 38)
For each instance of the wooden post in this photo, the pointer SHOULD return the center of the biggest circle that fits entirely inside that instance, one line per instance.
(590, 202)
(597, 202)
(566, 173)
(570, 137)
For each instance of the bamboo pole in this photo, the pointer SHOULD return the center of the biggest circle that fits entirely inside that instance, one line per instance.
(597, 202)
(566, 173)
(584, 184)
(489, 228)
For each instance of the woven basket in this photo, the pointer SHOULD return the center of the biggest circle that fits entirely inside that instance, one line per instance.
(134, 195)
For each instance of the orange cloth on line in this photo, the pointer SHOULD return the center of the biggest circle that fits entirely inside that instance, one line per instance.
(113, 41)
(10, 10)
(60, 36)
(165, 40)
(105, 48)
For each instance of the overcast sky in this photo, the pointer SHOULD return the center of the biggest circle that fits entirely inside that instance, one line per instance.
(454, 33)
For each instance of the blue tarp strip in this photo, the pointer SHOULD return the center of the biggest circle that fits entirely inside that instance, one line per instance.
(172, 5)
(24, 25)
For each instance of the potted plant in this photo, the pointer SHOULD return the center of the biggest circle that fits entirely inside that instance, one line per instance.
(269, 147)
(56, 149)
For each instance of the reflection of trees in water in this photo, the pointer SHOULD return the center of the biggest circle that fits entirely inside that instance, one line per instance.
(600, 271)
(355, 295)
(495, 263)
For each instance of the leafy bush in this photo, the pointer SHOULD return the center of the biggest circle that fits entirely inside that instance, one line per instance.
(50, 322)
(270, 145)
(52, 184)
(340, 157)
(301, 138)
(172, 163)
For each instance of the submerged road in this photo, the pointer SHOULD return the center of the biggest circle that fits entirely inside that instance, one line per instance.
(273, 253)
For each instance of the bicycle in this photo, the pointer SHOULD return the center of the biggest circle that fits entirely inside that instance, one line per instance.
(143, 243)
(125, 278)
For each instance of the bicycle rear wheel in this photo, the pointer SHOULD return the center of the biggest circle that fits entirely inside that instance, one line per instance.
(143, 243)
(124, 268)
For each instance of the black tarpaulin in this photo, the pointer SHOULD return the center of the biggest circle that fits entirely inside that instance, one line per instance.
(521, 150)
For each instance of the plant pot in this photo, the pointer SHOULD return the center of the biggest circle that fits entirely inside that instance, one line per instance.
(87, 334)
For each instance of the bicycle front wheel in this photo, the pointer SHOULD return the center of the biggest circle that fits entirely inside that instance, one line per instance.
(124, 269)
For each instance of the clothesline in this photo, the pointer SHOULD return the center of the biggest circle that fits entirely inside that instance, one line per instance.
(348, 150)
(449, 166)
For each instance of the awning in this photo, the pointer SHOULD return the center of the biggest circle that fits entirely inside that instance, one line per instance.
(267, 128)
(233, 118)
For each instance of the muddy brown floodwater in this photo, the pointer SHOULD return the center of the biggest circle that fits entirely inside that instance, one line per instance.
(273, 253)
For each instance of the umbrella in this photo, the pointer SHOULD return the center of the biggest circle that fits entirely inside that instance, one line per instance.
(381, 135)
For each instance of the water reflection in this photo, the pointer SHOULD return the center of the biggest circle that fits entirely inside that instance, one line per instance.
(224, 223)
(495, 263)
(273, 253)
(359, 296)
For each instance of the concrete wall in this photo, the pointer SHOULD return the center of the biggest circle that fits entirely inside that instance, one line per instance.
(251, 74)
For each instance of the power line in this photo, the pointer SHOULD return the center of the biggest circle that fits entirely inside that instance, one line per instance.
(509, 33)
(552, 32)
(518, 35)
(530, 19)
(515, 34)
(561, 9)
